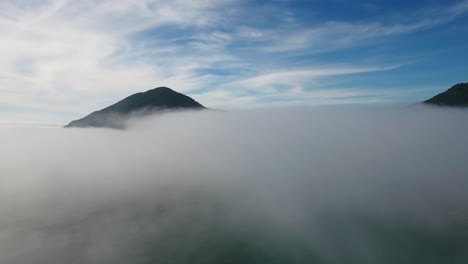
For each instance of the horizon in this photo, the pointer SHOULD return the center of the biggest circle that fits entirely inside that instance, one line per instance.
(64, 59)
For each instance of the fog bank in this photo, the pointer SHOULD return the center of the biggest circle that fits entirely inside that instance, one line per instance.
(270, 186)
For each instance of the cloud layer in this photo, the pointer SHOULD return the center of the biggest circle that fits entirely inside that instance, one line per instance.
(248, 187)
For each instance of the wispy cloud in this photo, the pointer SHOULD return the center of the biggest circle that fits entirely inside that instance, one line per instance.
(58, 53)
(295, 77)
(295, 88)
(334, 35)
(76, 56)
(459, 8)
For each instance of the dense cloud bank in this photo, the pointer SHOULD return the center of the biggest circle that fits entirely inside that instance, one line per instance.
(281, 186)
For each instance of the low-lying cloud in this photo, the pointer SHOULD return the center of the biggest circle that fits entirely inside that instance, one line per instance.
(277, 186)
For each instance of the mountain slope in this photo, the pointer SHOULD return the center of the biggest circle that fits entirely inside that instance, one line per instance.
(155, 100)
(455, 96)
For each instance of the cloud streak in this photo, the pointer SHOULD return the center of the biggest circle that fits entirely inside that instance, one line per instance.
(76, 57)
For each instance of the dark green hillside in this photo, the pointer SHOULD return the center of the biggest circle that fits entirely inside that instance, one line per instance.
(455, 96)
(155, 100)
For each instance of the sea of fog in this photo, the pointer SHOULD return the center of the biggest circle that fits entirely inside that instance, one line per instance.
(270, 186)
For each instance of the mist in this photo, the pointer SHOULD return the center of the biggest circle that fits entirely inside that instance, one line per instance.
(263, 186)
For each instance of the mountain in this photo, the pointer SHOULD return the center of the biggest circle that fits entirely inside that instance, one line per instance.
(455, 96)
(156, 100)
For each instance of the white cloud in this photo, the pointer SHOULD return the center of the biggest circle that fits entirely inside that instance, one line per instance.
(58, 53)
(292, 77)
(210, 182)
(294, 87)
(67, 56)
(335, 35)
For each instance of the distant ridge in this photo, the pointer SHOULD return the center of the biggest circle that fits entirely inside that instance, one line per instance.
(456, 96)
(155, 100)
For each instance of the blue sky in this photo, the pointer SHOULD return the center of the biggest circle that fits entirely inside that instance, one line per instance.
(62, 59)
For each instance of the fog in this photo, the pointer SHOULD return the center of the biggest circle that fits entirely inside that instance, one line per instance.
(265, 186)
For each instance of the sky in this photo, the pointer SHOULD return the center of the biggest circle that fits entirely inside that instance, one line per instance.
(61, 59)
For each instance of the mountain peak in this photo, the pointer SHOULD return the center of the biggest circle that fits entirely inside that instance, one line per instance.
(151, 101)
(160, 89)
(457, 95)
